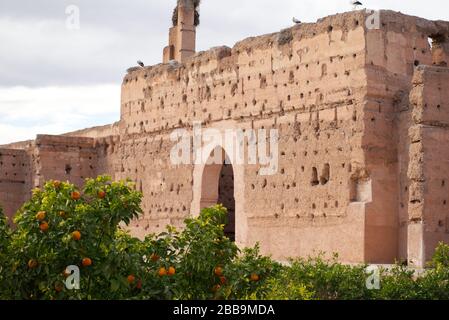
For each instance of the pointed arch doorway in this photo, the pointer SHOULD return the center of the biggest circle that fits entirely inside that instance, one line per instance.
(218, 187)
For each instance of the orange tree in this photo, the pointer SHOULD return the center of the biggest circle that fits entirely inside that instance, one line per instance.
(193, 263)
(62, 226)
(4, 240)
(195, 253)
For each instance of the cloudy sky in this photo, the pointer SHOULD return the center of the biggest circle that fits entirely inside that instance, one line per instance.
(54, 78)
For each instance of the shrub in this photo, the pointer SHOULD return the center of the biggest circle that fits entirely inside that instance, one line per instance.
(435, 282)
(283, 287)
(4, 240)
(4, 233)
(249, 275)
(203, 248)
(43, 244)
(195, 253)
(401, 283)
(62, 226)
(326, 279)
(396, 284)
(441, 256)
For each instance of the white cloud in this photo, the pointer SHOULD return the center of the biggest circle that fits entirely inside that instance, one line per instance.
(25, 112)
(45, 52)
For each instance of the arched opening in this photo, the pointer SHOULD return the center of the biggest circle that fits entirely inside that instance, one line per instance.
(226, 197)
(218, 187)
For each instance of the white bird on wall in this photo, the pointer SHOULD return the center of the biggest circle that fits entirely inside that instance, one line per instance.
(296, 21)
(140, 63)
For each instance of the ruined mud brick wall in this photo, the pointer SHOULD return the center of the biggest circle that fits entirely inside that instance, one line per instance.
(145, 160)
(48, 157)
(429, 162)
(97, 132)
(309, 82)
(395, 51)
(14, 175)
(362, 126)
(63, 158)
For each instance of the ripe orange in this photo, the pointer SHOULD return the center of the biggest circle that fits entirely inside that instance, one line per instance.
(32, 264)
(101, 194)
(41, 215)
(131, 279)
(162, 272)
(44, 226)
(255, 277)
(218, 271)
(56, 184)
(87, 262)
(75, 195)
(76, 235)
(154, 257)
(59, 287)
(223, 280)
(171, 271)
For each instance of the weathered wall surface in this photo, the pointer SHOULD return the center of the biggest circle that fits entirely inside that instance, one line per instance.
(393, 51)
(309, 82)
(362, 161)
(429, 162)
(63, 158)
(97, 132)
(167, 189)
(14, 175)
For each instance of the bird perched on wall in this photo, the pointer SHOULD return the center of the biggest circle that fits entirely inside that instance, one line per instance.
(296, 21)
(356, 4)
(140, 63)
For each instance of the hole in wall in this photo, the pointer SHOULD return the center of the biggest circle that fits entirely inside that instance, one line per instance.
(325, 175)
(314, 181)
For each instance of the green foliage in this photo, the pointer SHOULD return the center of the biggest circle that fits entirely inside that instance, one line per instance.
(62, 226)
(4, 232)
(397, 284)
(248, 276)
(324, 279)
(283, 287)
(4, 241)
(171, 265)
(50, 251)
(194, 252)
(441, 257)
(203, 247)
